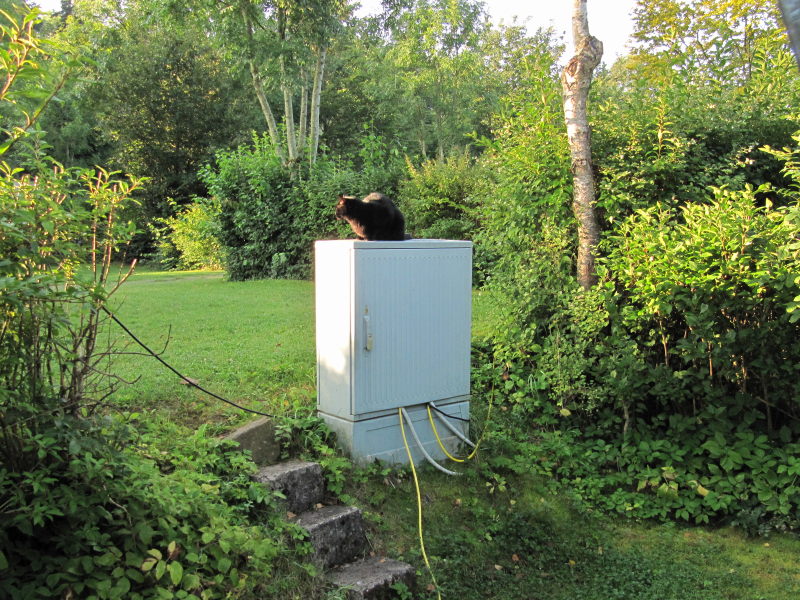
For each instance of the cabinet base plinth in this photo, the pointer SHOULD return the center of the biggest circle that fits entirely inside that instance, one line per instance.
(380, 438)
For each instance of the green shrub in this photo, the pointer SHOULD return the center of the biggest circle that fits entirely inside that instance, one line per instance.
(670, 391)
(656, 138)
(442, 200)
(89, 508)
(108, 513)
(271, 215)
(706, 292)
(59, 235)
(626, 393)
(710, 469)
(258, 224)
(190, 239)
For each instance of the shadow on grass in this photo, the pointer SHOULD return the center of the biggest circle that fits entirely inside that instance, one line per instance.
(526, 543)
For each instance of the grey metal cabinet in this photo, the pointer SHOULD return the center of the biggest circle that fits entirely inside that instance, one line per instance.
(392, 330)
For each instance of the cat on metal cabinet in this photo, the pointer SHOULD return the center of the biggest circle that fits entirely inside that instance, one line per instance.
(374, 218)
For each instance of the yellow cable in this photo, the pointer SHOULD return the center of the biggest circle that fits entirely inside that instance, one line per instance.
(419, 504)
(477, 444)
(441, 445)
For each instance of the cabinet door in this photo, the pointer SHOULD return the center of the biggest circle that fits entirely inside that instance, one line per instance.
(412, 315)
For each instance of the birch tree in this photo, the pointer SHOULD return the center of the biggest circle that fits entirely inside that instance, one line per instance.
(284, 44)
(575, 82)
(790, 10)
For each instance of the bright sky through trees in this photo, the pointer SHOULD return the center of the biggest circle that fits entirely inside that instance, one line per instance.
(609, 20)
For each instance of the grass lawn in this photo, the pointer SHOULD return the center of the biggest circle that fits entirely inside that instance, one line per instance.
(250, 342)
(253, 343)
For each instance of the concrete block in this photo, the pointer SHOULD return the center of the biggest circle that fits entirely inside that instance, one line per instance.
(259, 438)
(372, 578)
(301, 482)
(335, 532)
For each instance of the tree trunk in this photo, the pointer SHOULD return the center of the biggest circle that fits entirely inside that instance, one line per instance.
(302, 134)
(575, 81)
(790, 11)
(316, 93)
(288, 112)
(266, 109)
(272, 124)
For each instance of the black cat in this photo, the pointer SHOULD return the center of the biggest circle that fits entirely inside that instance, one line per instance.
(373, 218)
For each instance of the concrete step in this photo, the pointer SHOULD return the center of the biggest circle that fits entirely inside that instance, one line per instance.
(301, 482)
(372, 578)
(335, 532)
(258, 437)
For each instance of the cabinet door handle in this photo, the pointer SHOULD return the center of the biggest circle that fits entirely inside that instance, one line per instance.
(367, 334)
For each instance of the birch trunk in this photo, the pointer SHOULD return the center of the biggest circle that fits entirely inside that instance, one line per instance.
(302, 134)
(575, 81)
(288, 114)
(258, 84)
(316, 93)
(790, 11)
(272, 125)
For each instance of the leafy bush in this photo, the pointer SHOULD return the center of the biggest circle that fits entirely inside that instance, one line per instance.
(87, 511)
(525, 228)
(710, 469)
(107, 513)
(670, 390)
(706, 294)
(440, 198)
(59, 234)
(258, 224)
(271, 215)
(656, 138)
(190, 239)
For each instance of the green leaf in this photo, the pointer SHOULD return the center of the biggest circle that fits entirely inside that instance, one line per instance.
(105, 560)
(122, 587)
(149, 563)
(161, 567)
(175, 572)
(207, 537)
(87, 563)
(134, 575)
(3, 561)
(155, 553)
(145, 533)
(191, 581)
(223, 564)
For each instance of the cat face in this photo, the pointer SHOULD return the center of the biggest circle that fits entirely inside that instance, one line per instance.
(343, 206)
